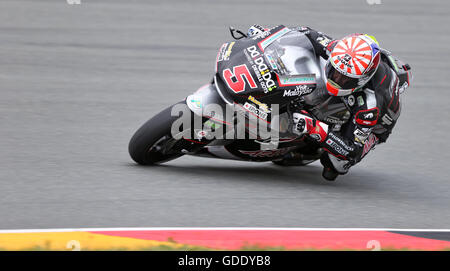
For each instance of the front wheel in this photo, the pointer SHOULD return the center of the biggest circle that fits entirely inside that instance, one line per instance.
(153, 142)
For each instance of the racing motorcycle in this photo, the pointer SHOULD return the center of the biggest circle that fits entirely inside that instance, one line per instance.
(253, 73)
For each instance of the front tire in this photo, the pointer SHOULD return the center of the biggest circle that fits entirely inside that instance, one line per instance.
(152, 143)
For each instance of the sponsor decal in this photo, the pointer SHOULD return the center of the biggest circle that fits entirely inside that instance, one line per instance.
(369, 144)
(221, 52)
(272, 62)
(298, 91)
(367, 117)
(261, 105)
(225, 51)
(334, 120)
(267, 153)
(255, 30)
(386, 119)
(258, 112)
(228, 52)
(360, 136)
(260, 68)
(324, 41)
(236, 79)
(296, 80)
(346, 60)
(262, 35)
(336, 147)
(344, 145)
(303, 29)
(263, 44)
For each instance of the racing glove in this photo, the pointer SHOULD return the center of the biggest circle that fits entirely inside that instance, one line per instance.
(304, 124)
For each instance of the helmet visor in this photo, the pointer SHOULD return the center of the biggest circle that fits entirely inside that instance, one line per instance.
(340, 80)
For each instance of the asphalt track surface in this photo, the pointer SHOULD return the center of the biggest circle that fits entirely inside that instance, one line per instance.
(76, 81)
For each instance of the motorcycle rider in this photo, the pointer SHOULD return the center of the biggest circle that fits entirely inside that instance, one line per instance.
(364, 76)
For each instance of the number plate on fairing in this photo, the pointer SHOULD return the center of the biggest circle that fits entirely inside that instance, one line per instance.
(253, 67)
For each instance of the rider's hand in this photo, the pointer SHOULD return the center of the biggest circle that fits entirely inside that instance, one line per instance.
(303, 124)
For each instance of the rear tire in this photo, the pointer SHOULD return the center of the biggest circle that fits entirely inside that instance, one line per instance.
(143, 145)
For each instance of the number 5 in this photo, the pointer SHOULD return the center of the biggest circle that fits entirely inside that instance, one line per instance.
(239, 74)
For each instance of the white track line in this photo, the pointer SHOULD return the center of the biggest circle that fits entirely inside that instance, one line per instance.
(217, 228)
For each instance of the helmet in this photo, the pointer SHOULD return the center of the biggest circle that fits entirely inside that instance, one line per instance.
(352, 63)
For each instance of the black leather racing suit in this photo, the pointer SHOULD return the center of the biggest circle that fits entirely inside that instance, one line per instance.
(374, 109)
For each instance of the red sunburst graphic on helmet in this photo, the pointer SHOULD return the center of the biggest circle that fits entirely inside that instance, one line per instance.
(352, 55)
